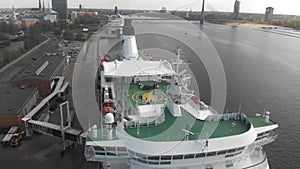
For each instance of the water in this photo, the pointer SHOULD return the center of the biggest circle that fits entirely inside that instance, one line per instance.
(263, 72)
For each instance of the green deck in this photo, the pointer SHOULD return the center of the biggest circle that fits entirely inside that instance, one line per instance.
(135, 91)
(114, 56)
(259, 122)
(171, 129)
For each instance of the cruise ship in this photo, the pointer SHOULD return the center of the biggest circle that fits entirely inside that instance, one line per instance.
(151, 119)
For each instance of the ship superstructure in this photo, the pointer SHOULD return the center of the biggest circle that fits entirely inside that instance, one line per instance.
(151, 119)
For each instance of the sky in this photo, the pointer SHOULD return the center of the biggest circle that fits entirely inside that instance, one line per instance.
(291, 7)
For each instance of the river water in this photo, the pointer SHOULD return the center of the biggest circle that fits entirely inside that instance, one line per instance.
(263, 72)
(262, 69)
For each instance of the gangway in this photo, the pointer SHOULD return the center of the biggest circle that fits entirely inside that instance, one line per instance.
(72, 135)
(46, 100)
(68, 134)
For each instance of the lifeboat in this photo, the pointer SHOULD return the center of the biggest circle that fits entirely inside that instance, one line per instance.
(103, 58)
(108, 107)
(196, 99)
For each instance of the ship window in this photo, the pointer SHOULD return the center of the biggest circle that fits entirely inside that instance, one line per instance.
(165, 162)
(97, 153)
(229, 165)
(260, 134)
(140, 155)
(153, 162)
(122, 154)
(231, 150)
(110, 148)
(229, 155)
(211, 154)
(121, 149)
(142, 160)
(222, 152)
(108, 79)
(240, 148)
(153, 158)
(200, 155)
(259, 138)
(209, 167)
(177, 157)
(187, 156)
(110, 154)
(131, 153)
(98, 148)
(238, 153)
(166, 157)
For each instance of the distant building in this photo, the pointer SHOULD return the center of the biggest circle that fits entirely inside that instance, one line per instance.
(51, 16)
(236, 10)
(28, 22)
(60, 6)
(19, 97)
(269, 14)
(14, 14)
(40, 5)
(116, 10)
(75, 14)
(16, 102)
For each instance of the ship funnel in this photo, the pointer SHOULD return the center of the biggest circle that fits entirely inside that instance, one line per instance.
(129, 42)
(116, 10)
(267, 117)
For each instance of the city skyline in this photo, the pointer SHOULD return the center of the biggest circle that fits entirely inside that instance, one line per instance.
(247, 6)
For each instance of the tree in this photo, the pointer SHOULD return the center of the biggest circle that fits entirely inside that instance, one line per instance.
(80, 36)
(57, 31)
(68, 35)
(4, 37)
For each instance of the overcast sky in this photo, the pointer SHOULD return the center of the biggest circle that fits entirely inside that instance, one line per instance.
(254, 6)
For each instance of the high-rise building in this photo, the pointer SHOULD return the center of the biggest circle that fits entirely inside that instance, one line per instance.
(236, 10)
(14, 14)
(60, 6)
(269, 14)
(116, 10)
(40, 5)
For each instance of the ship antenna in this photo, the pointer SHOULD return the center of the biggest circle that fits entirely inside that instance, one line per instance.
(89, 126)
(240, 107)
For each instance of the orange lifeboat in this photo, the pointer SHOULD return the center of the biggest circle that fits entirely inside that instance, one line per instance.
(108, 107)
(196, 99)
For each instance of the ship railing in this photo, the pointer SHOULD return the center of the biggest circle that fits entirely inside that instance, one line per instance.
(226, 117)
(145, 122)
(267, 138)
(193, 104)
(102, 134)
(201, 106)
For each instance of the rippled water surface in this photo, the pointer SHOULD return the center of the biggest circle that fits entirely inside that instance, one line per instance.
(263, 72)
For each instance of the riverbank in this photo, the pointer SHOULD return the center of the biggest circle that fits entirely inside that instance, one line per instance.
(256, 25)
